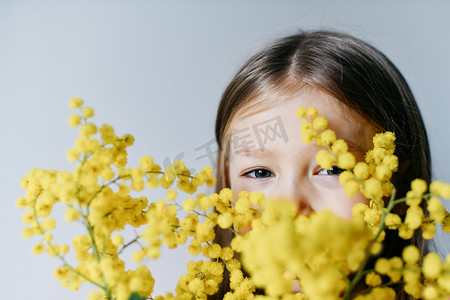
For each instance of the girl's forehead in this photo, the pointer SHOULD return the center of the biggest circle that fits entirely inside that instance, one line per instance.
(281, 113)
(286, 104)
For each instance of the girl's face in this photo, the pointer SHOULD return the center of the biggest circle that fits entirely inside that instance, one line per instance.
(268, 155)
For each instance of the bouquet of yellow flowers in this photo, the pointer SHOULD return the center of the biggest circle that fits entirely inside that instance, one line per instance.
(325, 256)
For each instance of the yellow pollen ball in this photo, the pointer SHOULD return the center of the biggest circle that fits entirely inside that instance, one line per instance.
(414, 217)
(325, 159)
(38, 249)
(236, 243)
(27, 232)
(320, 123)
(376, 248)
(117, 240)
(345, 176)
(382, 265)
(361, 170)
(327, 137)
(436, 209)
(405, 232)
(428, 230)
(75, 102)
(94, 295)
(301, 112)
(48, 224)
(419, 186)
(72, 154)
(440, 189)
(308, 135)
(88, 129)
(411, 254)
(384, 140)
(391, 161)
(171, 195)
(358, 209)
(48, 237)
(372, 187)
(430, 293)
(227, 253)
(225, 220)
(64, 249)
(346, 161)
(189, 204)
(138, 256)
(88, 112)
(351, 187)
(312, 112)
(21, 202)
(392, 221)
(373, 279)
(339, 147)
(431, 265)
(383, 172)
(305, 125)
(71, 214)
(74, 120)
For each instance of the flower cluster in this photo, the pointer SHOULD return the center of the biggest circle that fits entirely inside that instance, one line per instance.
(324, 255)
(328, 267)
(97, 194)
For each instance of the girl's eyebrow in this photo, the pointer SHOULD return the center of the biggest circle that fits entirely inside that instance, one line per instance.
(253, 152)
(261, 153)
(352, 147)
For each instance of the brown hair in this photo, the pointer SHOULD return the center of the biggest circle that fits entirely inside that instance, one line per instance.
(351, 71)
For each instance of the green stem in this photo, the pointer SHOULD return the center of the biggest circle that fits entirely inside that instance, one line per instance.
(66, 264)
(104, 186)
(424, 196)
(97, 256)
(361, 270)
(126, 245)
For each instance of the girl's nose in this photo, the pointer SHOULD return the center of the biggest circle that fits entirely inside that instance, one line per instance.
(303, 206)
(294, 192)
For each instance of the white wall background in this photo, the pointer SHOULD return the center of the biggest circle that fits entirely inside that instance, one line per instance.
(156, 69)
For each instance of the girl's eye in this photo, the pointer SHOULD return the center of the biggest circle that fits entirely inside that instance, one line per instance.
(333, 171)
(259, 173)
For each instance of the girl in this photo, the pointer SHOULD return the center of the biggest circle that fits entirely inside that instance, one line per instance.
(355, 86)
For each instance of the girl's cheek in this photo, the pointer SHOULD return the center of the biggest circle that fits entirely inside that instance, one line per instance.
(331, 195)
(250, 185)
(326, 183)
